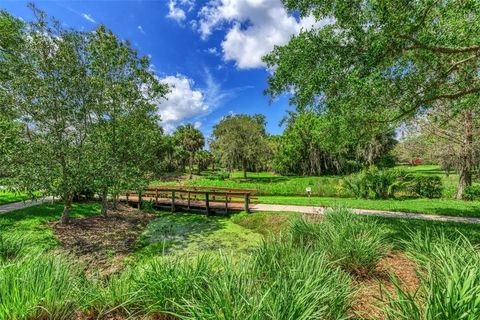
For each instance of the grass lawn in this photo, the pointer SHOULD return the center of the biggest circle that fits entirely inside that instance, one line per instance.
(31, 222)
(269, 184)
(448, 207)
(9, 197)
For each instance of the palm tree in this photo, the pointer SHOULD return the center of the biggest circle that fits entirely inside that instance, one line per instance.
(191, 139)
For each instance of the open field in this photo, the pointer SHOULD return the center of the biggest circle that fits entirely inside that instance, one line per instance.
(136, 264)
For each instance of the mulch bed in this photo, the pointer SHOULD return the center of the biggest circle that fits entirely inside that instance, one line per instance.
(103, 242)
(368, 303)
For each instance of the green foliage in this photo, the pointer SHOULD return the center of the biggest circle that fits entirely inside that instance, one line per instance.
(352, 242)
(375, 183)
(472, 192)
(191, 140)
(450, 280)
(313, 144)
(81, 105)
(39, 287)
(12, 246)
(240, 141)
(367, 64)
(426, 186)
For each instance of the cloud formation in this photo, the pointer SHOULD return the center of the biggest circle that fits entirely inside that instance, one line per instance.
(88, 17)
(254, 27)
(177, 8)
(188, 102)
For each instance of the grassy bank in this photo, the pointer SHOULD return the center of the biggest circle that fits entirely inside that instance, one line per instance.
(257, 266)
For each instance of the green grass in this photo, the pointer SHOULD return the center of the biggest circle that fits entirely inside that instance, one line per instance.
(270, 184)
(31, 223)
(10, 197)
(396, 230)
(448, 207)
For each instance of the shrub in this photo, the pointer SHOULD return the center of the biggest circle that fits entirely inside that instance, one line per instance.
(472, 192)
(350, 241)
(426, 186)
(375, 183)
(450, 281)
(39, 287)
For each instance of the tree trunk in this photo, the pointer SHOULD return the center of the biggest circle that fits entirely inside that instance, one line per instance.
(104, 211)
(115, 201)
(466, 156)
(244, 170)
(191, 166)
(67, 206)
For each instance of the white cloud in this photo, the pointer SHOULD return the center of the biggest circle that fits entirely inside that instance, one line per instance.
(140, 28)
(176, 9)
(186, 101)
(254, 28)
(182, 102)
(197, 124)
(213, 51)
(88, 17)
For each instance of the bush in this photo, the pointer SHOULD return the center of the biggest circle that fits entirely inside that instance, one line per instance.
(427, 186)
(450, 281)
(350, 241)
(472, 192)
(375, 183)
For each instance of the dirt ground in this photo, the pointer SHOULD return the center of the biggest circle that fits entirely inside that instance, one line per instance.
(370, 296)
(103, 242)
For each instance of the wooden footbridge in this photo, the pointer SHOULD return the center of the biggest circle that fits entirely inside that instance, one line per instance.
(194, 198)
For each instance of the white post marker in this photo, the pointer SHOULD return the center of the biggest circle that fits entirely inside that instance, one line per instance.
(309, 190)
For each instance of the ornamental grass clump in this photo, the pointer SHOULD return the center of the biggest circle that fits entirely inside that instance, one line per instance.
(449, 281)
(44, 286)
(280, 281)
(354, 243)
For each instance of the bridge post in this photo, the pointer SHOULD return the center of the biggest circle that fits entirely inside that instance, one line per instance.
(156, 196)
(247, 200)
(139, 200)
(173, 201)
(207, 203)
(189, 200)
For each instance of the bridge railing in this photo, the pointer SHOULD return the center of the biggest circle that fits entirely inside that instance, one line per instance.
(207, 198)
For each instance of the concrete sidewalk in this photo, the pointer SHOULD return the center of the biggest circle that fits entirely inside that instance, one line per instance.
(366, 212)
(20, 205)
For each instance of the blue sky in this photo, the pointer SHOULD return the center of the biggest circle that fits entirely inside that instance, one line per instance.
(209, 51)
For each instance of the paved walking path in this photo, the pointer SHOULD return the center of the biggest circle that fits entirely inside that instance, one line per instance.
(20, 205)
(378, 213)
(289, 208)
